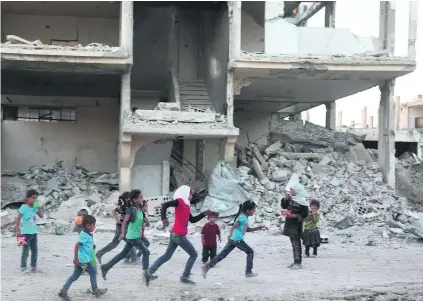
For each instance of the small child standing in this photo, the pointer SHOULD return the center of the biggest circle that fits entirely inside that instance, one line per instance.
(208, 238)
(26, 228)
(311, 234)
(83, 256)
(236, 240)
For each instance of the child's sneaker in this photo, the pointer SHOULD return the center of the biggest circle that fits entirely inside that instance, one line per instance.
(187, 280)
(104, 272)
(33, 269)
(250, 274)
(24, 270)
(63, 294)
(204, 270)
(296, 266)
(99, 291)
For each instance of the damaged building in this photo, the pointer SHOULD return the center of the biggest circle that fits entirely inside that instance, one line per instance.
(160, 92)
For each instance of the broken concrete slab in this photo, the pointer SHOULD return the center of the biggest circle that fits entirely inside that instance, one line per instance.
(274, 148)
(345, 223)
(281, 175)
(170, 116)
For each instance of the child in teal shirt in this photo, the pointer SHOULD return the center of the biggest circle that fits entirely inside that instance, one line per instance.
(83, 256)
(26, 226)
(236, 240)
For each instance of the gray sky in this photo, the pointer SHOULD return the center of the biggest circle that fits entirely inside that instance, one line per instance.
(362, 18)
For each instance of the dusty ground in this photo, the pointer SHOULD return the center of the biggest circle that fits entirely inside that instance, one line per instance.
(342, 272)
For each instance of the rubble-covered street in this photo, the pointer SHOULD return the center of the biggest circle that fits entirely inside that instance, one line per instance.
(372, 235)
(343, 271)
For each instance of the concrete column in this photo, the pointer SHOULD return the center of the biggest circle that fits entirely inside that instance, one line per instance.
(386, 141)
(227, 149)
(331, 115)
(340, 124)
(230, 98)
(364, 118)
(397, 112)
(420, 151)
(412, 29)
(234, 13)
(279, 35)
(166, 178)
(307, 118)
(330, 14)
(199, 158)
(126, 27)
(387, 26)
(125, 163)
(371, 122)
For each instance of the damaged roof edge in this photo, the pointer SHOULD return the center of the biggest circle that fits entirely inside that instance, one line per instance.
(289, 62)
(180, 130)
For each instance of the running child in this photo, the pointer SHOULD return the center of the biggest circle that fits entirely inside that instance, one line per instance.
(79, 227)
(208, 238)
(311, 234)
(178, 237)
(78, 220)
(26, 228)
(134, 218)
(236, 240)
(83, 256)
(118, 214)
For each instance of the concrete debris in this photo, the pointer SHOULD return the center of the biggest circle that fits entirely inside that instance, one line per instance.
(20, 43)
(131, 119)
(347, 182)
(63, 193)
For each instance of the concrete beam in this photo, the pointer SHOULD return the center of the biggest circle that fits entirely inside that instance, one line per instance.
(310, 12)
(199, 158)
(170, 116)
(199, 130)
(412, 29)
(331, 115)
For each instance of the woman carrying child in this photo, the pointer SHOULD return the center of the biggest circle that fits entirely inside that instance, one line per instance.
(296, 210)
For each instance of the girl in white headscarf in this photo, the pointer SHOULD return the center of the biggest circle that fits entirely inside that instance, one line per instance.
(295, 210)
(181, 202)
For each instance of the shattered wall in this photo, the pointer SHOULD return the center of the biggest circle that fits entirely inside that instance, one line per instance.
(413, 113)
(91, 141)
(72, 28)
(216, 55)
(306, 40)
(255, 124)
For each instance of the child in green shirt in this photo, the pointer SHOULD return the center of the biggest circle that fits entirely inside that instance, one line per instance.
(311, 234)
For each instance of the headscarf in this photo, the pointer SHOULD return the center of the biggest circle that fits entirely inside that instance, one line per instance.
(300, 194)
(183, 193)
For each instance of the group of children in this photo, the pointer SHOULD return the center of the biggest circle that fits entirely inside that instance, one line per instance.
(131, 219)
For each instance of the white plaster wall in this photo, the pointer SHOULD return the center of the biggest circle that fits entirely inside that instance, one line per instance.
(309, 40)
(255, 124)
(91, 141)
(147, 171)
(47, 28)
(413, 113)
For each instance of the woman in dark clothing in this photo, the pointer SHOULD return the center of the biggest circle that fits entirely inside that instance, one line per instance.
(296, 210)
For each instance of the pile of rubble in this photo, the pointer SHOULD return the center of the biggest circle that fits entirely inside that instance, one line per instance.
(347, 183)
(63, 192)
(20, 43)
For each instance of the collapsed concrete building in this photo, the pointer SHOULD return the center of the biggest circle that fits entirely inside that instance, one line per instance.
(142, 87)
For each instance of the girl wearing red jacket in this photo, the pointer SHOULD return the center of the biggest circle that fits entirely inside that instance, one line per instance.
(181, 202)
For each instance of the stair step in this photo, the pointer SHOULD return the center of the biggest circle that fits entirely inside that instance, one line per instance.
(192, 84)
(188, 93)
(195, 97)
(189, 88)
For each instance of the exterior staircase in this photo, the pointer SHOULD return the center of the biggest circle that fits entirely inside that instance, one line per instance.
(194, 96)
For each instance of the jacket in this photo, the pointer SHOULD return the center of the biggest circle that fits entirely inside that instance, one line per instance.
(294, 226)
